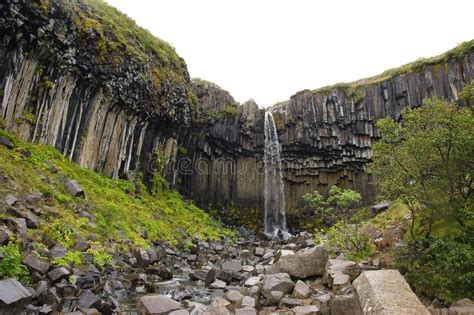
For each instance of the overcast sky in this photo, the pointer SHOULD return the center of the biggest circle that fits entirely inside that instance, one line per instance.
(269, 49)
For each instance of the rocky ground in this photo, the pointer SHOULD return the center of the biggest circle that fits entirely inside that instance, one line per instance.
(248, 277)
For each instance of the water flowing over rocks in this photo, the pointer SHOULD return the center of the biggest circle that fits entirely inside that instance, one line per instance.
(274, 208)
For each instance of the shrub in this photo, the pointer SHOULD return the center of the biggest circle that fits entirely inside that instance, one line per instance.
(441, 268)
(100, 256)
(72, 258)
(351, 241)
(62, 233)
(337, 206)
(11, 266)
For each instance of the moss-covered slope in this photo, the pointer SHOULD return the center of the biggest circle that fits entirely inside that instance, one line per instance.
(120, 214)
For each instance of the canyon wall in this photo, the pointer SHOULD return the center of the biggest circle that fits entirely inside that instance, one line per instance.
(67, 80)
(326, 136)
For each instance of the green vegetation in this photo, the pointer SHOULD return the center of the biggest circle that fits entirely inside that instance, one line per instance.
(100, 256)
(48, 84)
(27, 117)
(229, 112)
(121, 215)
(467, 95)
(426, 163)
(116, 39)
(160, 161)
(204, 81)
(454, 54)
(11, 266)
(72, 258)
(345, 234)
(337, 206)
(351, 240)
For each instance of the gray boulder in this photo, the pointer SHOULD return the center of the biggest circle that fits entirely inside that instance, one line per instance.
(277, 282)
(305, 263)
(302, 290)
(156, 304)
(13, 296)
(461, 307)
(306, 310)
(346, 304)
(387, 292)
(35, 264)
(73, 187)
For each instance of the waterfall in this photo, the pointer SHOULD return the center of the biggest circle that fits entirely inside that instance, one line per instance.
(274, 207)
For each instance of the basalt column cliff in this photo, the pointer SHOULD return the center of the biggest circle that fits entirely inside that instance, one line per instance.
(73, 77)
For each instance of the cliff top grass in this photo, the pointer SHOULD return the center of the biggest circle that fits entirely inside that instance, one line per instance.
(455, 54)
(117, 38)
(120, 214)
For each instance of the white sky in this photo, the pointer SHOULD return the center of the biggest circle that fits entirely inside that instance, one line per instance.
(270, 49)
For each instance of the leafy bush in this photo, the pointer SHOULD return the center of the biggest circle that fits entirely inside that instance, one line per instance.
(62, 233)
(100, 256)
(337, 206)
(72, 258)
(351, 241)
(426, 162)
(441, 268)
(11, 266)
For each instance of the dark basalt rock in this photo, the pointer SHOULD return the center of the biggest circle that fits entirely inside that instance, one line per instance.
(109, 117)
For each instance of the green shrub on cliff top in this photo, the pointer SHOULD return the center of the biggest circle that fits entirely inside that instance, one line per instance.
(119, 36)
(455, 54)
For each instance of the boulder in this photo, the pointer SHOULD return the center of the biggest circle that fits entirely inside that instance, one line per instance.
(338, 266)
(87, 299)
(218, 307)
(57, 274)
(6, 142)
(305, 263)
(35, 264)
(250, 282)
(259, 251)
(274, 298)
(246, 311)
(73, 187)
(380, 207)
(278, 282)
(13, 296)
(225, 275)
(248, 302)
(232, 265)
(462, 307)
(10, 200)
(156, 304)
(347, 304)
(5, 234)
(210, 277)
(306, 310)
(301, 290)
(218, 284)
(324, 302)
(290, 302)
(387, 292)
(234, 297)
(340, 281)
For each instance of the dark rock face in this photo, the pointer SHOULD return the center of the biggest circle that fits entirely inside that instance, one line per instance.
(110, 118)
